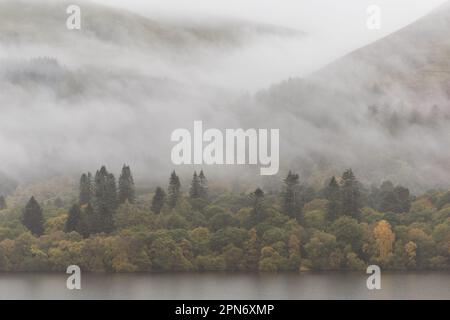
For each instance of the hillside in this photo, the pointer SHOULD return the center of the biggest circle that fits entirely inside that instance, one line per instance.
(383, 108)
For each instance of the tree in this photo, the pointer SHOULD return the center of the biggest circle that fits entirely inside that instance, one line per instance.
(3, 205)
(85, 188)
(252, 251)
(195, 191)
(203, 185)
(290, 195)
(294, 252)
(158, 200)
(126, 186)
(174, 190)
(33, 218)
(73, 219)
(129, 215)
(348, 232)
(403, 197)
(350, 195)
(384, 242)
(320, 250)
(105, 201)
(332, 194)
(257, 212)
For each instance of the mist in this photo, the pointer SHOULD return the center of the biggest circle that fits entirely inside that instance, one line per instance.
(112, 92)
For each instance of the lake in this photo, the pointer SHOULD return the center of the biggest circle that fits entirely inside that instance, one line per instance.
(329, 285)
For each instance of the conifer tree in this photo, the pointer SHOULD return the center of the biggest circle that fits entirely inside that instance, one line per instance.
(174, 190)
(33, 218)
(195, 191)
(126, 186)
(105, 201)
(158, 200)
(332, 194)
(290, 195)
(350, 195)
(257, 213)
(74, 219)
(3, 205)
(85, 188)
(203, 185)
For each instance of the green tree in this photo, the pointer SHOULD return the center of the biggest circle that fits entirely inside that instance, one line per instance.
(351, 195)
(126, 186)
(85, 188)
(33, 218)
(74, 219)
(174, 192)
(320, 249)
(332, 194)
(257, 212)
(348, 232)
(290, 195)
(158, 200)
(195, 190)
(105, 201)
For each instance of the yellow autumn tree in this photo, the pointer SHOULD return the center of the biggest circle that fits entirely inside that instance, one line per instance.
(410, 249)
(384, 242)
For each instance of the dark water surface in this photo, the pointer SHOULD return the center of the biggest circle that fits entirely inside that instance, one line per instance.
(330, 285)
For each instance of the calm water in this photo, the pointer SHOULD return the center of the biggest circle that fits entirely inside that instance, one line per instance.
(425, 285)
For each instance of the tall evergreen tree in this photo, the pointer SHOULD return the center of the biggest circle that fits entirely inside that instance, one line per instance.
(74, 219)
(105, 201)
(332, 194)
(350, 195)
(290, 195)
(158, 200)
(257, 213)
(203, 185)
(33, 218)
(195, 191)
(174, 190)
(126, 186)
(3, 205)
(85, 188)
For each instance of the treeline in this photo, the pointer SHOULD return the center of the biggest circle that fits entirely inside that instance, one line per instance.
(343, 225)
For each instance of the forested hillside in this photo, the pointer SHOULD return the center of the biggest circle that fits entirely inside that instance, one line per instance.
(108, 225)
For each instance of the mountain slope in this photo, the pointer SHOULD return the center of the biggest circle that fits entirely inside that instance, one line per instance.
(383, 109)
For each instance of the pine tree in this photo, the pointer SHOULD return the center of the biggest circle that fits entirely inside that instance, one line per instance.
(350, 195)
(332, 194)
(158, 200)
(195, 191)
(105, 201)
(203, 185)
(3, 205)
(126, 186)
(33, 218)
(85, 188)
(290, 195)
(174, 190)
(73, 219)
(257, 213)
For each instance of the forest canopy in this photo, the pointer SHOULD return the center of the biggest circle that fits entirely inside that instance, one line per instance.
(112, 226)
